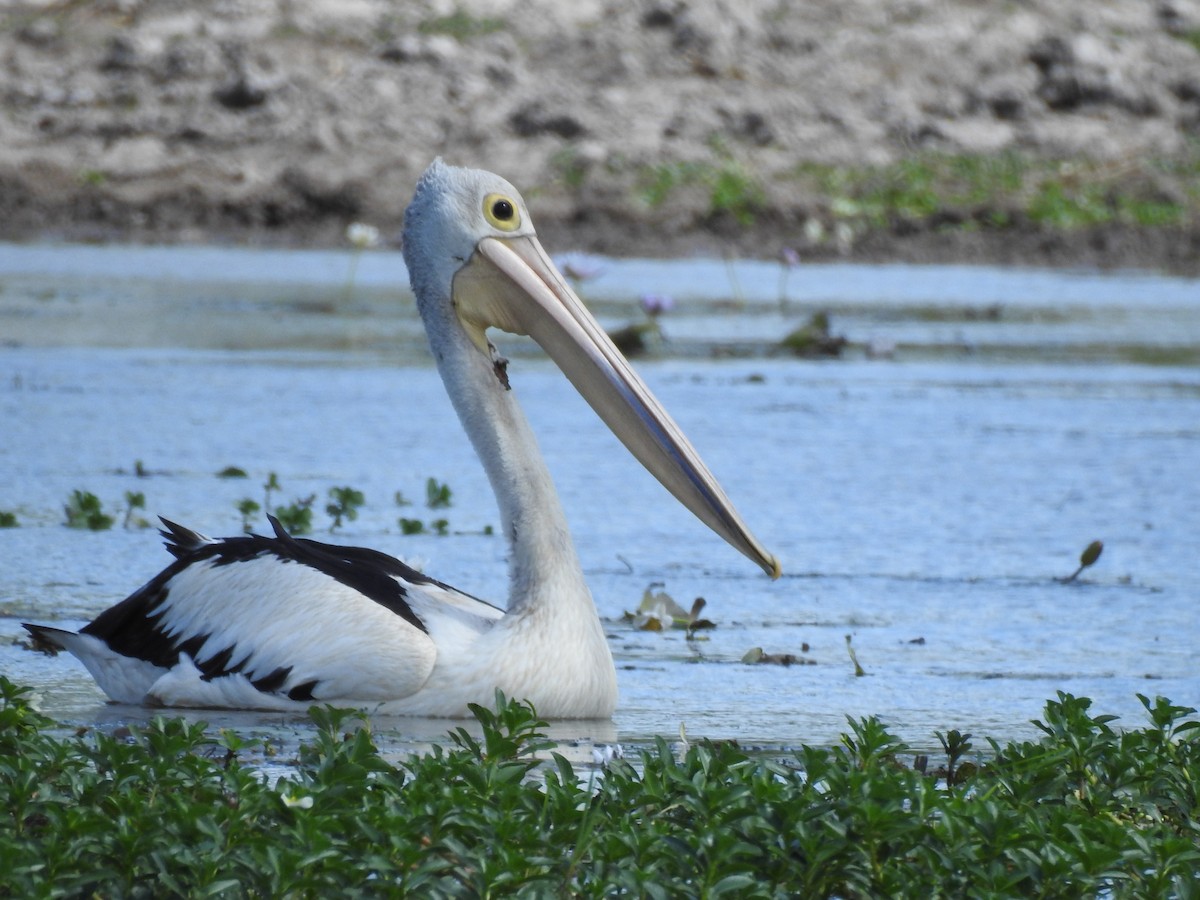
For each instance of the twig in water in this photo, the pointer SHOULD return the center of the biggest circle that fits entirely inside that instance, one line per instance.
(858, 670)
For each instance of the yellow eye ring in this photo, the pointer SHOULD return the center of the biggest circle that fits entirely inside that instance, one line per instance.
(501, 212)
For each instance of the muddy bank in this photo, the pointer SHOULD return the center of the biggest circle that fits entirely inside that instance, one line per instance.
(664, 128)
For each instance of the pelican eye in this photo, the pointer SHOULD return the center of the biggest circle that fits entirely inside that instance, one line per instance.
(501, 212)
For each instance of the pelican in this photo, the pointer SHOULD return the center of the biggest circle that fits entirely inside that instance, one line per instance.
(279, 623)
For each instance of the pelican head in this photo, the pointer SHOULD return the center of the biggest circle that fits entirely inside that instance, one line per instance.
(475, 263)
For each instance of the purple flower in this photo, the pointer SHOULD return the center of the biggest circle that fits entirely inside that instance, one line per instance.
(790, 257)
(656, 304)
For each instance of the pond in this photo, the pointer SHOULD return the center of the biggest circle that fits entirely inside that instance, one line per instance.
(926, 493)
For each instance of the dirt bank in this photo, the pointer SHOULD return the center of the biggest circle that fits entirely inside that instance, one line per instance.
(635, 128)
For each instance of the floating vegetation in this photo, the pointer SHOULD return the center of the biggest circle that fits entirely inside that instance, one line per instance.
(1085, 810)
(440, 527)
(1087, 558)
(248, 509)
(343, 504)
(84, 510)
(270, 486)
(859, 672)
(814, 339)
(296, 518)
(437, 494)
(637, 338)
(658, 611)
(8, 519)
(757, 656)
(134, 500)
(232, 472)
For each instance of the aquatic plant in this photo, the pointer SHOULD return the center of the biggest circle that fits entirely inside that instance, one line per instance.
(858, 669)
(814, 339)
(8, 519)
(1083, 811)
(248, 509)
(134, 500)
(437, 494)
(361, 237)
(269, 487)
(638, 337)
(757, 656)
(1087, 558)
(296, 517)
(232, 472)
(83, 509)
(343, 504)
(411, 526)
(789, 258)
(658, 611)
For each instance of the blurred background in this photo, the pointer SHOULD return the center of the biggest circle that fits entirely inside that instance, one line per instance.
(915, 130)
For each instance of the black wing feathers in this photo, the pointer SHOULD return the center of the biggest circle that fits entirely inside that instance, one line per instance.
(133, 627)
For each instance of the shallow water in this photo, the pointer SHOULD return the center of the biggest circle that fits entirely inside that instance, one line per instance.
(925, 504)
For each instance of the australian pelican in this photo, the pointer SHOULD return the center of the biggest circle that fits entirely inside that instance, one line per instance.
(257, 622)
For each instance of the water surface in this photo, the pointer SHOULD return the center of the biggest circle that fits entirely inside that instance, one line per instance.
(924, 504)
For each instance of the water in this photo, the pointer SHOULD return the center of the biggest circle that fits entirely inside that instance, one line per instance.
(923, 505)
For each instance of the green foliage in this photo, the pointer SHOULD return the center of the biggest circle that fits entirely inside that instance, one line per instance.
(296, 518)
(1004, 191)
(269, 487)
(461, 25)
(134, 500)
(8, 519)
(248, 509)
(1189, 36)
(731, 188)
(1084, 811)
(83, 509)
(232, 472)
(343, 504)
(411, 526)
(437, 494)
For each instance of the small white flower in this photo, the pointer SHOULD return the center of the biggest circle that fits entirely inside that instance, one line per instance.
(293, 802)
(362, 236)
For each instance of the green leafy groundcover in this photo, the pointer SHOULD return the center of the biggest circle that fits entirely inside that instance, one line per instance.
(171, 810)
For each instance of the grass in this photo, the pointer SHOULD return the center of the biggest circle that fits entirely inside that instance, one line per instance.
(946, 191)
(731, 188)
(170, 809)
(461, 25)
(1008, 190)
